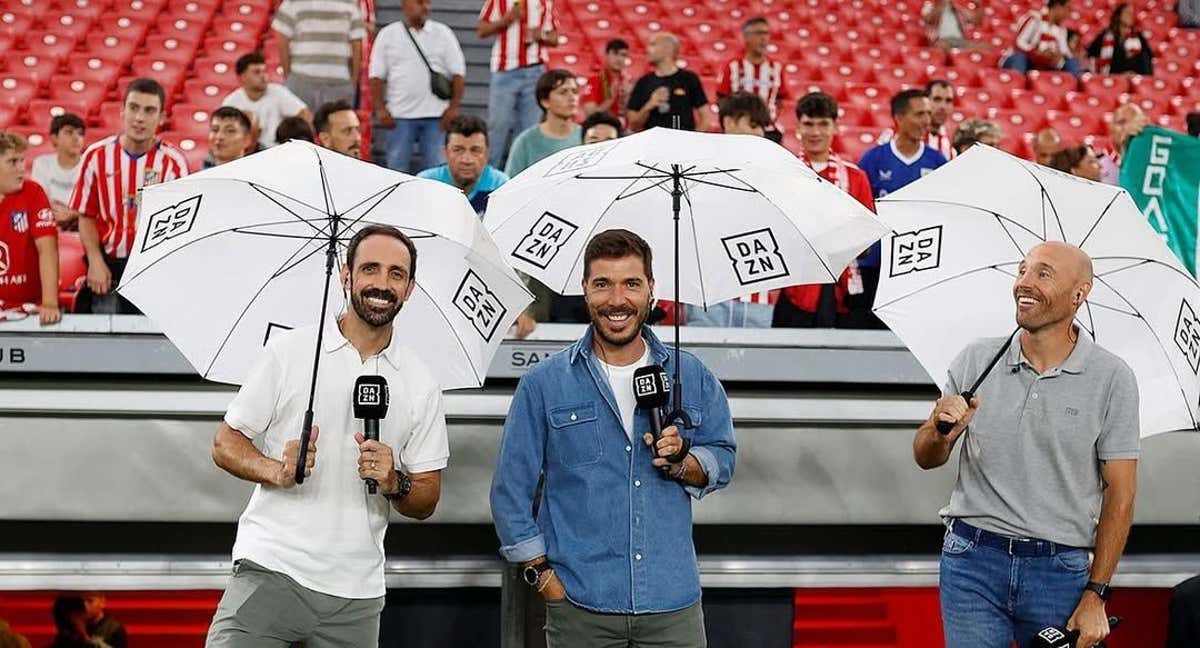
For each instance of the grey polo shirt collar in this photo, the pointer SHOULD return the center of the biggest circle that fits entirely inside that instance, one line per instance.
(1074, 364)
(334, 340)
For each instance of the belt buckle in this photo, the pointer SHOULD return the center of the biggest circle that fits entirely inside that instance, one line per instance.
(1011, 541)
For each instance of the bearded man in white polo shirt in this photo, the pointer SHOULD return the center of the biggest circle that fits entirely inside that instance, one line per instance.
(308, 560)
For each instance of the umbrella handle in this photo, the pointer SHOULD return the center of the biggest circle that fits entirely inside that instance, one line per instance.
(302, 457)
(944, 427)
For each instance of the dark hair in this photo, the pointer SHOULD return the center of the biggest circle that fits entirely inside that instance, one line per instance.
(599, 118)
(146, 86)
(466, 125)
(65, 607)
(901, 102)
(1115, 18)
(294, 128)
(383, 230)
(548, 82)
(817, 104)
(744, 104)
(229, 112)
(1193, 124)
(615, 244)
(1069, 157)
(66, 119)
(615, 45)
(1050, 4)
(246, 60)
(938, 83)
(757, 20)
(321, 119)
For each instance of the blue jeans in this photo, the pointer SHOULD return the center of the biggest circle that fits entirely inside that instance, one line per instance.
(512, 107)
(731, 314)
(989, 598)
(1020, 62)
(425, 132)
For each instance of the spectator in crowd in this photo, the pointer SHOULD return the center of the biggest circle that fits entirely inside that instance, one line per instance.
(269, 103)
(70, 624)
(57, 172)
(601, 127)
(108, 212)
(667, 92)
(753, 71)
(906, 158)
(523, 29)
(337, 128)
(1189, 13)
(842, 304)
(1046, 143)
(1193, 124)
(1121, 48)
(1079, 161)
(1128, 120)
(320, 49)
(405, 58)
(558, 95)
(610, 549)
(466, 164)
(1042, 41)
(28, 236)
(294, 128)
(1183, 615)
(1079, 52)
(10, 639)
(741, 113)
(947, 23)
(608, 90)
(228, 136)
(100, 624)
(976, 131)
(941, 104)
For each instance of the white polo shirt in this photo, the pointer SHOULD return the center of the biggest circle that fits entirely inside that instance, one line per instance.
(327, 533)
(396, 62)
(276, 104)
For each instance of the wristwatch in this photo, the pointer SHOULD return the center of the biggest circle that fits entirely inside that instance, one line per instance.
(405, 487)
(533, 573)
(1101, 589)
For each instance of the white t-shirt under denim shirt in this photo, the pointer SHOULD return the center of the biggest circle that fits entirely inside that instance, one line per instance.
(620, 379)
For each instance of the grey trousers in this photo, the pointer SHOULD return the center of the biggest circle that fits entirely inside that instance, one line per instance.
(265, 609)
(317, 92)
(570, 626)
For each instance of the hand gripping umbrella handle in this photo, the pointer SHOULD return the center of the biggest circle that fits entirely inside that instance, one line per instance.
(944, 427)
(302, 457)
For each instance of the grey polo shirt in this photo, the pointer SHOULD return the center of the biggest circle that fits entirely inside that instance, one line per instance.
(1030, 461)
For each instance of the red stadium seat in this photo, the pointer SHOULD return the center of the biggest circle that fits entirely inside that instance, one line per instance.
(202, 92)
(1015, 121)
(974, 59)
(851, 142)
(1154, 86)
(129, 28)
(86, 67)
(190, 119)
(166, 71)
(867, 94)
(1075, 126)
(78, 92)
(237, 28)
(1056, 84)
(202, 12)
(41, 111)
(1030, 101)
(17, 91)
(1100, 103)
(1108, 84)
(851, 114)
(72, 271)
(185, 29)
(146, 10)
(114, 49)
(48, 44)
(29, 65)
(15, 24)
(1185, 105)
(91, 9)
(193, 147)
(1152, 105)
(68, 24)
(976, 102)
(170, 48)
(1001, 81)
(8, 116)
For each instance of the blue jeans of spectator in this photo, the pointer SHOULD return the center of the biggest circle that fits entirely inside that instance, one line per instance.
(989, 598)
(512, 107)
(1020, 62)
(732, 314)
(425, 132)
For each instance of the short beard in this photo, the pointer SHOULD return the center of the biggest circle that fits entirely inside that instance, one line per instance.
(371, 316)
(633, 334)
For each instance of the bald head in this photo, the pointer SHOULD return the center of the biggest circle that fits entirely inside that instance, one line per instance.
(1067, 257)
(664, 47)
(1046, 144)
(1127, 120)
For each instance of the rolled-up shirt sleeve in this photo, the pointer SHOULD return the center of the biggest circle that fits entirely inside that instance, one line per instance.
(518, 467)
(713, 444)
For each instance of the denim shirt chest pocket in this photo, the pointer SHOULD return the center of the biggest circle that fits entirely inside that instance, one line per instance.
(574, 437)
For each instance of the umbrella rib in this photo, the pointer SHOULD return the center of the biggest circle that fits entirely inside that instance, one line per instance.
(695, 246)
(449, 325)
(329, 207)
(656, 185)
(934, 285)
(965, 206)
(592, 231)
(1046, 196)
(1143, 261)
(1186, 402)
(1113, 309)
(263, 192)
(721, 186)
(1100, 218)
(320, 249)
(382, 195)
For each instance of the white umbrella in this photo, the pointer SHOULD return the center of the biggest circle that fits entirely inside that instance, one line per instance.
(959, 234)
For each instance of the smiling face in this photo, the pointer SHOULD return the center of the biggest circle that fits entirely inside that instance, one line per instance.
(1052, 282)
(619, 297)
(380, 281)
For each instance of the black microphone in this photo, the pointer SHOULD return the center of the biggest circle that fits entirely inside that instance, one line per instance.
(652, 394)
(1059, 637)
(371, 405)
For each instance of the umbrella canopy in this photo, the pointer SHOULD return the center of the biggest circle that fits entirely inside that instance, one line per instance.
(227, 257)
(751, 217)
(960, 233)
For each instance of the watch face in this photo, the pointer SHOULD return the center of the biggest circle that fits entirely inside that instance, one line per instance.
(530, 574)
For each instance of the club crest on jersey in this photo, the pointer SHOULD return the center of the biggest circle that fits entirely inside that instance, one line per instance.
(544, 240)
(151, 176)
(916, 251)
(5, 258)
(755, 256)
(479, 305)
(1187, 335)
(166, 224)
(20, 221)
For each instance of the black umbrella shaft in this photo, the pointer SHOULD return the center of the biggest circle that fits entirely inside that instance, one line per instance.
(306, 432)
(676, 200)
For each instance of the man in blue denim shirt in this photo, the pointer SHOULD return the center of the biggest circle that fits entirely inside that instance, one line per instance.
(610, 547)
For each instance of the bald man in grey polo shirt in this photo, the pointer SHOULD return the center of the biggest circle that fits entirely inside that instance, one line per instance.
(1047, 470)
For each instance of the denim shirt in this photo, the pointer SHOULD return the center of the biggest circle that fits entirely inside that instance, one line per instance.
(618, 533)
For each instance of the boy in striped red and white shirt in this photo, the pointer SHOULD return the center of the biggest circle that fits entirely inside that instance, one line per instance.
(105, 196)
(1042, 41)
(753, 71)
(524, 29)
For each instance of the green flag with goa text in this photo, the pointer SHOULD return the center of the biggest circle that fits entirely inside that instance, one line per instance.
(1161, 171)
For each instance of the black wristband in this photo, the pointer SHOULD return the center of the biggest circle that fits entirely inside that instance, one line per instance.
(683, 452)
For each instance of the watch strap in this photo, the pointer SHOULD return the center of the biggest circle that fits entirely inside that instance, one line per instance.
(1101, 589)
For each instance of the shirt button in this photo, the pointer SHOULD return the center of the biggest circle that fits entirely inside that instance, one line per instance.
(573, 417)
(637, 482)
(637, 556)
(628, 448)
(1034, 395)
